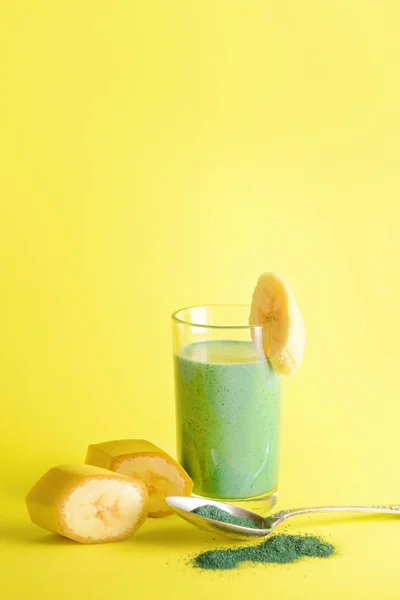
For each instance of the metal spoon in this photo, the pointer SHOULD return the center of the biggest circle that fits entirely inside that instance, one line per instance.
(183, 506)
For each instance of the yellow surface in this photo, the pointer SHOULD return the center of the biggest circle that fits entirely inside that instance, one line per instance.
(159, 154)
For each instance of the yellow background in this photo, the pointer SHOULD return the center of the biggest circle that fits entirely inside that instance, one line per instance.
(156, 154)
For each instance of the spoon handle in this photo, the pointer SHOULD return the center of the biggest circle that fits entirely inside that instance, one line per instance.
(391, 509)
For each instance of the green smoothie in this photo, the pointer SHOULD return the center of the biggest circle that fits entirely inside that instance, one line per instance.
(228, 418)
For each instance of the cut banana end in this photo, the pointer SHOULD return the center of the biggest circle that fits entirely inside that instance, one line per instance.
(88, 504)
(275, 309)
(161, 474)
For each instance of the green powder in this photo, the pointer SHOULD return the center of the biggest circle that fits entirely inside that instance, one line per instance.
(215, 513)
(276, 549)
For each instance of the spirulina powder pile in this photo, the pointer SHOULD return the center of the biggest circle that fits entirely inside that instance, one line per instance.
(276, 549)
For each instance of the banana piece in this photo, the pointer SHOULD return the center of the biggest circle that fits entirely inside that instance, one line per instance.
(161, 474)
(283, 336)
(88, 504)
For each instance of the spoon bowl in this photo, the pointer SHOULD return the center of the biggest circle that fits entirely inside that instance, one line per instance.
(184, 506)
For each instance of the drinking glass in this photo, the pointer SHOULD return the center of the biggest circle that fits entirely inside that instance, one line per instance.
(228, 399)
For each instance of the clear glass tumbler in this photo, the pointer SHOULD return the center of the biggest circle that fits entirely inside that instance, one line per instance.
(228, 400)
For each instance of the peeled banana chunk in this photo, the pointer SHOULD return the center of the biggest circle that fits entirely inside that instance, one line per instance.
(141, 459)
(88, 504)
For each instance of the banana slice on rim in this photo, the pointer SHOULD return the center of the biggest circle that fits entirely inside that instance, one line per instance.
(283, 336)
(88, 504)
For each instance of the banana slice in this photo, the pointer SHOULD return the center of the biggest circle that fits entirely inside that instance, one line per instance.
(161, 474)
(88, 504)
(283, 336)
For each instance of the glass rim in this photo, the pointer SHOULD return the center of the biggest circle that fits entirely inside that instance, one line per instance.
(176, 318)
